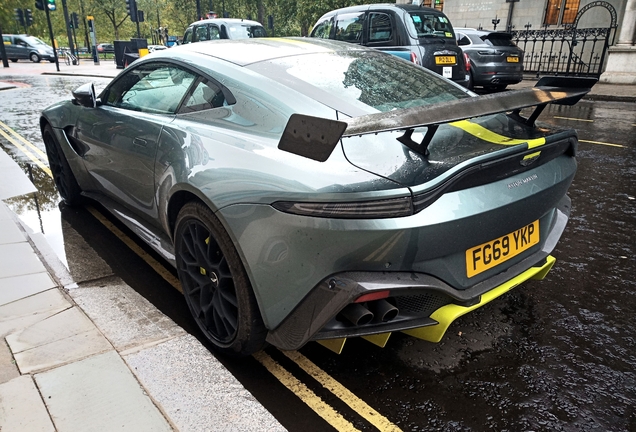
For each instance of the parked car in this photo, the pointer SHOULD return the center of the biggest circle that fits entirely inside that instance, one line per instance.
(308, 189)
(495, 60)
(27, 47)
(106, 48)
(223, 28)
(422, 35)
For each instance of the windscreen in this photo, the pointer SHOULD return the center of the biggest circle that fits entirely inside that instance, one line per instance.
(499, 39)
(34, 41)
(242, 31)
(429, 25)
(372, 81)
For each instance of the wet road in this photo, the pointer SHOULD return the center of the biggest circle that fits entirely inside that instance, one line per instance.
(559, 354)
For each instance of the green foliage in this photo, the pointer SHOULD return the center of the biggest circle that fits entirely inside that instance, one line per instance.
(291, 17)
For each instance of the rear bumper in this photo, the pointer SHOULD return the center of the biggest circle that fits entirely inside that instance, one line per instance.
(426, 304)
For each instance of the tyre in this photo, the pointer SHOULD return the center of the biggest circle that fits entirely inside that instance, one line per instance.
(14, 60)
(63, 177)
(34, 58)
(215, 284)
(52, 60)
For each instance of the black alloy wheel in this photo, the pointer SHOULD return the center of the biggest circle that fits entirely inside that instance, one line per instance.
(63, 177)
(215, 283)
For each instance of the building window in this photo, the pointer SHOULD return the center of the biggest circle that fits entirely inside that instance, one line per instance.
(437, 4)
(561, 12)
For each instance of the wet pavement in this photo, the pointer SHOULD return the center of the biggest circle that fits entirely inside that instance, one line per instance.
(557, 354)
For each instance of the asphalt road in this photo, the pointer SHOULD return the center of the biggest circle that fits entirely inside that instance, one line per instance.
(552, 355)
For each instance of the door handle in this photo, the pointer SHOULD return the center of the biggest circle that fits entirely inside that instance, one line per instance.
(140, 142)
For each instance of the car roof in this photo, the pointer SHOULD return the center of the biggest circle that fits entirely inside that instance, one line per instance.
(247, 51)
(226, 21)
(375, 6)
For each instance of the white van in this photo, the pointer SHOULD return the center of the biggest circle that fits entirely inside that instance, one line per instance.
(27, 47)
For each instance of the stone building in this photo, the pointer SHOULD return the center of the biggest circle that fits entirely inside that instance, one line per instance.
(506, 15)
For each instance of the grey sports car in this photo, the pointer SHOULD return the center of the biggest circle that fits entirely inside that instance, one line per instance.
(315, 190)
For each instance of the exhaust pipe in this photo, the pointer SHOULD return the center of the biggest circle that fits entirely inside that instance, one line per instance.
(383, 310)
(357, 314)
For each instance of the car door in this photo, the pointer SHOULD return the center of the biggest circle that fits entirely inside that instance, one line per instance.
(122, 134)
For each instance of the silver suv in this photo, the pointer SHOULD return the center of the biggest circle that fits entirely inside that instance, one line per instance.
(495, 60)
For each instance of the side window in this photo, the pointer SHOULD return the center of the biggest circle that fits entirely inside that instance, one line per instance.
(187, 37)
(349, 27)
(6, 40)
(201, 33)
(152, 88)
(206, 95)
(214, 32)
(462, 39)
(323, 30)
(380, 29)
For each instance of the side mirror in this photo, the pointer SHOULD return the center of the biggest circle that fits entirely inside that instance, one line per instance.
(84, 95)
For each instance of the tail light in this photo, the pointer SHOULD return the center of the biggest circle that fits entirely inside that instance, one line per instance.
(467, 61)
(414, 58)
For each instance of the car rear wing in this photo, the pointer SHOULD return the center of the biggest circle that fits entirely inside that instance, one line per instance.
(315, 138)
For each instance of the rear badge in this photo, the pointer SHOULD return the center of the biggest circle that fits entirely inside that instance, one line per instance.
(518, 183)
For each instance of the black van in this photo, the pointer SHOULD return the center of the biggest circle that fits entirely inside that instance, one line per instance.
(422, 35)
(27, 47)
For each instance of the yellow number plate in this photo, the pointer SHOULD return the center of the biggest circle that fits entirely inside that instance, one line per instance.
(513, 59)
(445, 60)
(488, 255)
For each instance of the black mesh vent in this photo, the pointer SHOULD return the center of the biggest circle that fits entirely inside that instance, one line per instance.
(424, 304)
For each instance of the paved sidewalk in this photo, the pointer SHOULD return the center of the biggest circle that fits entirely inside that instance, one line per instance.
(96, 356)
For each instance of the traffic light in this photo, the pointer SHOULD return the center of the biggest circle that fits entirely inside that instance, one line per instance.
(75, 20)
(28, 17)
(140, 16)
(51, 5)
(131, 6)
(19, 16)
(39, 4)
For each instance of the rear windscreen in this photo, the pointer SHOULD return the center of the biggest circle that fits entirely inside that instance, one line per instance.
(502, 40)
(369, 80)
(425, 24)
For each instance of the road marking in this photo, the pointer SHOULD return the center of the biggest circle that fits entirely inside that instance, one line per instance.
(574, 119)
(21, 138)
(27, 153)
(324, 410)
(344, 394)
(158, 267)
(602, 143)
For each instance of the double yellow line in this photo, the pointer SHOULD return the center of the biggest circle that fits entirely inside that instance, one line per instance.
(25, 147)
(286, 378)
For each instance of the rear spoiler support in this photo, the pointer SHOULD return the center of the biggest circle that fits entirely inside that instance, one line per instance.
(315, 138)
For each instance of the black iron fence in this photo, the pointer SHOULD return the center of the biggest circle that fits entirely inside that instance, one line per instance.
(567, 51)
(570, 50)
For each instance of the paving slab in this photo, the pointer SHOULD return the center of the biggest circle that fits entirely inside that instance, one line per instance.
(196, 391)
(125, 317)
(14, 180)
(18, 287)
(83, 262)
(98, 394)
(19, 259)
(30, 310)
(8, 368)
(59, 339)
(21, 407)
(10, 233)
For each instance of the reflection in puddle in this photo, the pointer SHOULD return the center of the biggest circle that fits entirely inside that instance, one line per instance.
(40, 210)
